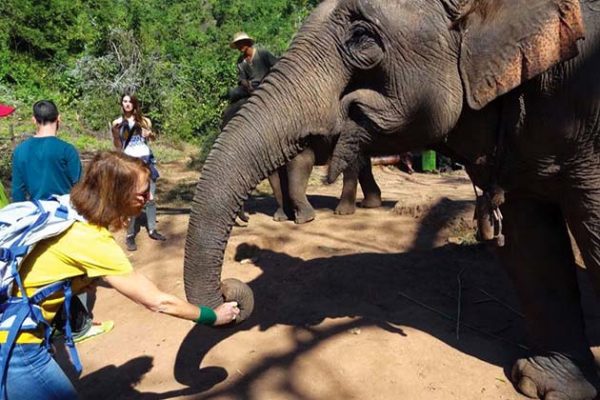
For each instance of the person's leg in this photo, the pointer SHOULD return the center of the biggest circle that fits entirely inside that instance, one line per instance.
(151, 215)
(298, 173)
(81, 317)
(131, 231)
(277, 180)
(237, 93)
(33, 374)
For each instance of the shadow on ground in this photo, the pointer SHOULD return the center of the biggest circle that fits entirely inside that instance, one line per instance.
(457, 293)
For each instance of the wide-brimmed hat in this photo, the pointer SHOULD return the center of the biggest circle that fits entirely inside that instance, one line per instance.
(6, 110)
(238, 37)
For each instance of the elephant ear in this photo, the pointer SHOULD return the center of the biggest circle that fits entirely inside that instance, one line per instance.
(506, 42)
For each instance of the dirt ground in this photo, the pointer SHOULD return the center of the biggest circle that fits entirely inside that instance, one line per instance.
(347, 307)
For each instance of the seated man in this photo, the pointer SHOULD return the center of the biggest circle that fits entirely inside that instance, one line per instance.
(253, 65)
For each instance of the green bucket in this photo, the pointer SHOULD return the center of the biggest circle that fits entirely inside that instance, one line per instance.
(428, 161)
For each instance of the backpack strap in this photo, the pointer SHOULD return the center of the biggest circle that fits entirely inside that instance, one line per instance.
(44, 293)
(7, 347)
(20, 309)
(62, 212)
(17, 249)
(125, 125)
(66, 286)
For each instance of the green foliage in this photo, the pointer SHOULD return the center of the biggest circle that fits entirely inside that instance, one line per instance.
(174, 55)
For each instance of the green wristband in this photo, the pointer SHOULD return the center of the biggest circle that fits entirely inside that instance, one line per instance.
(207, 316)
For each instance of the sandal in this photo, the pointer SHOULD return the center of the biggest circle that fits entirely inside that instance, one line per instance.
(97, 329)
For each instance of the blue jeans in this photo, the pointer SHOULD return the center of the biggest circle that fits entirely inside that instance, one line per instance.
(150, 209)
(34, 374)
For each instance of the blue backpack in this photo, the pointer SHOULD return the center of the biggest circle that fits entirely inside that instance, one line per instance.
(22, 226)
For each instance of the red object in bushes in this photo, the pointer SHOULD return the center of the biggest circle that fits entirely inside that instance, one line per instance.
(6, 110)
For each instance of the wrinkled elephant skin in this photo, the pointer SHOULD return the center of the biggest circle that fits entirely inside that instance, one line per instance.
(507, 86)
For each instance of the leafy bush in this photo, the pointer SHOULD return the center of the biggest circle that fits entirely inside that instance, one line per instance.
(175, 55)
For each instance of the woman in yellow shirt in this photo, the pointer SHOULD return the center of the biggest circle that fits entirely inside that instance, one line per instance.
(115, 187)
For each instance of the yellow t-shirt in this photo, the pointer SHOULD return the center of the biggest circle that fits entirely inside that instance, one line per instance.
(82, 253)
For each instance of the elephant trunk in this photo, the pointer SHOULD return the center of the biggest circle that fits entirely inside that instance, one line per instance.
(262, 137)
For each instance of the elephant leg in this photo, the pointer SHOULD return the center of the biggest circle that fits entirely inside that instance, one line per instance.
(242, 214)
(584, 221)
(278, 181)
(347, 203)
(370, 189)
(299, 170)
(540, 261)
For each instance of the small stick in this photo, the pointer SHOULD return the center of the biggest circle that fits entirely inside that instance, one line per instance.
(484, 333)
(501, 303)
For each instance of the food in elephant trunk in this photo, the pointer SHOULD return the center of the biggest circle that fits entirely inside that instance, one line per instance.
(422, 73)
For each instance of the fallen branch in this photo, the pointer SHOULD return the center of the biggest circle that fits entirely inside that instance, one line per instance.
(474, 329)
(501, 303)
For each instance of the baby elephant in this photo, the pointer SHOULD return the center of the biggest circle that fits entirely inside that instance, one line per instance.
(289, 182)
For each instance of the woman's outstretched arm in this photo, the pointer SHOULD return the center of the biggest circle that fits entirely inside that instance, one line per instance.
(142, 290)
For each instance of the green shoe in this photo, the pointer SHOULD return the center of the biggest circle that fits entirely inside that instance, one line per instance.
(97, 329)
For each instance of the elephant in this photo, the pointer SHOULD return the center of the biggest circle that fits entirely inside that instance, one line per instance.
(289, 182)
(507, 86)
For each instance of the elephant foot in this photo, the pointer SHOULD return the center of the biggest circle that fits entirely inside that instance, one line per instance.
(345, 209)
(304, 216)
(280, 215)
(553, 377)
(371, 202)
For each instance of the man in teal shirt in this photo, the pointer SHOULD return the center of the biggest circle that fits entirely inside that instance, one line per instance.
(44, 164)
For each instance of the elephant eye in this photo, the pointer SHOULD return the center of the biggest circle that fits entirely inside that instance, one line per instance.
(363, 46)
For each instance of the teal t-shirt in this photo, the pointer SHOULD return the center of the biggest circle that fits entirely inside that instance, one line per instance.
(42, 167)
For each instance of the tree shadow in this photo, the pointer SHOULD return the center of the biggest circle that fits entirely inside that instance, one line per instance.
(417, 289)
(425, 288)
(459, 294)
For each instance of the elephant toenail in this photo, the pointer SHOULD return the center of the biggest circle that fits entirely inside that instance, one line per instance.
(528, 388)
(556, 396)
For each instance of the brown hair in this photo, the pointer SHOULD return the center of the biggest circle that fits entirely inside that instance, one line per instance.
(138, 116)
(103, 196)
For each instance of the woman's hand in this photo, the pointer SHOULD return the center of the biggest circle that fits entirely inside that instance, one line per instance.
(226, 313)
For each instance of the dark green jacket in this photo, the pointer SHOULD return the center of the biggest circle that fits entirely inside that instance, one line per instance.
(255, 70)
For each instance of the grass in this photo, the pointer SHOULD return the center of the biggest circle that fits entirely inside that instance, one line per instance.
(19, 127)
(463, 232)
